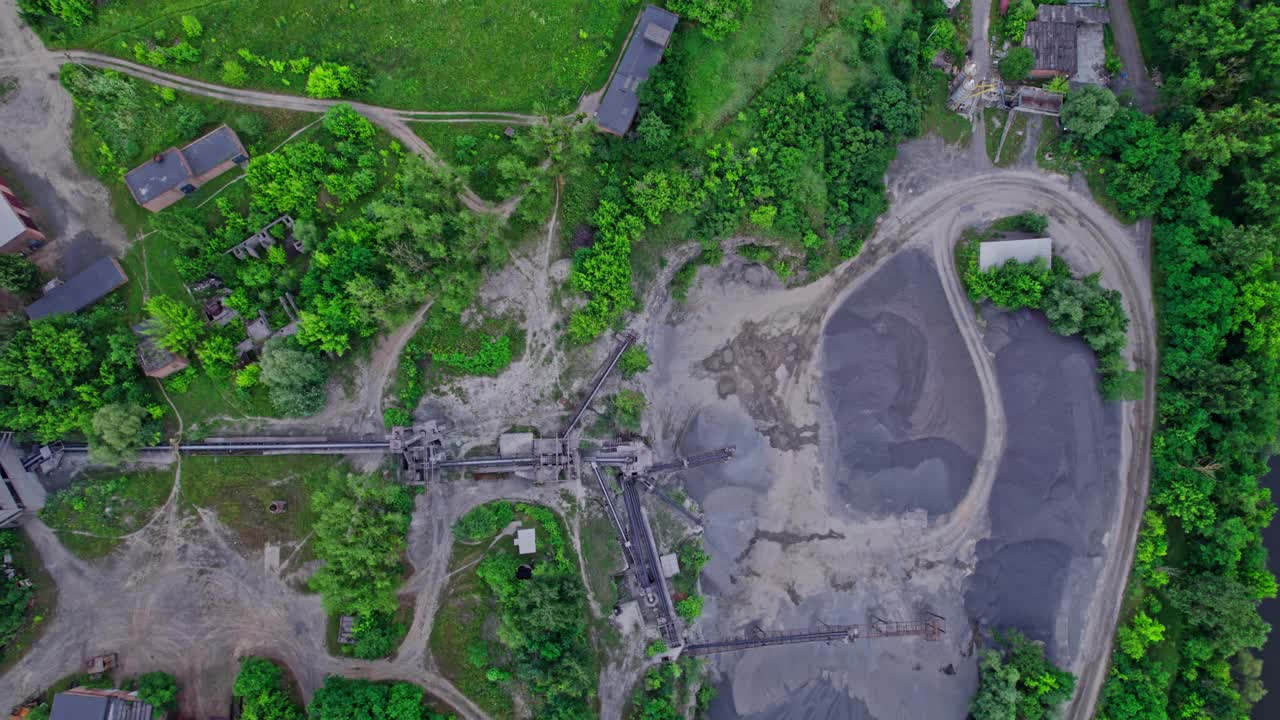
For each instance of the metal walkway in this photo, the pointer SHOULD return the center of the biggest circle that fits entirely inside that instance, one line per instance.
(931, 628)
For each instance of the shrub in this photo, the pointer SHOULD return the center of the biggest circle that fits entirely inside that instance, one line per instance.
(1087, 110)
(233, 73)
(191, 26)
(159, 690)
(295, 379)
(329, 80)
(690, 608)
(634, 361)
(18, 275)
(1017, 64)
(628, 406)
(397, 417)
(484, 521)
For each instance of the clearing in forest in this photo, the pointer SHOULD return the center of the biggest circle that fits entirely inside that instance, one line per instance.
(428, 55)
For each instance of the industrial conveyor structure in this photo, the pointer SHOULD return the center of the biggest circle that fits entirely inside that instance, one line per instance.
(628, 464)
(932, 627)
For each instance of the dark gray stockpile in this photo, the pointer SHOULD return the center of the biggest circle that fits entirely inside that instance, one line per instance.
(902, 389)
(1055, 490)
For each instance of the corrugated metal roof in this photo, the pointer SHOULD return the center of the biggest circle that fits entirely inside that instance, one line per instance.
(74, 706)
(81, 291)
(1054, 45)
(653, 30)
(1072, 14)
(994, 253)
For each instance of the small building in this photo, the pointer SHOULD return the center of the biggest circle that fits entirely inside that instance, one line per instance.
(1067, 41)
(156, 362)
(82, 290)
(175, 174)
(647, 43)
(347, 630)
(994, 253)
(1035, 100)
(83, 703)
(526, 541)
(670, 565)
(17, 230)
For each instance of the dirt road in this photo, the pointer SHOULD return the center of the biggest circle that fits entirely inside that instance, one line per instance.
(1130, 48)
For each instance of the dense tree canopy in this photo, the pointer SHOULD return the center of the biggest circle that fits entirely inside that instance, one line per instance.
(55, 373)
(1087, 110)
(18, 274)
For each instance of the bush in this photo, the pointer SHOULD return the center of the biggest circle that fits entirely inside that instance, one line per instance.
(1087, 110)
(19, 275)
(191, 26)
(233, 73)
(295, 379)
(628, 406)
(1017, 64)
(396, 417)
(634, 361)
(329, 80)
(262, 692)
(484, 521)
(159, 690)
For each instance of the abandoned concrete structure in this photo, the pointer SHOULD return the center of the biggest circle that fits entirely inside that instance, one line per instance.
(17, 229)
(1068, 41)
(156, 362)
(21, 493)
(994, 253)
(281, 227)
(649, 39)
(84, 289)
(175, 174)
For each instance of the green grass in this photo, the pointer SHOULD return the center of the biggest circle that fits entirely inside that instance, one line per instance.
(940, 120)
(429, 55)
(601, 556)
(724, 75)
(995, 121)
(462, 620)
(1015, 140)
(43, 604)
(106, 505)
(239, 489)
(480, 167)
(468, 615)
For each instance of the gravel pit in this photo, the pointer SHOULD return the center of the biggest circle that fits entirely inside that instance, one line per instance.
(1055, 490)
(904, 408)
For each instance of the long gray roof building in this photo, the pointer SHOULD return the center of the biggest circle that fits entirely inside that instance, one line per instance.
(88, 287)
(173, 174)
(649, 39)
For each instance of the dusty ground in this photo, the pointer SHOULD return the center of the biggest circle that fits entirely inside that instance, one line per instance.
(915, 508)
(745, 361)
(72, 208)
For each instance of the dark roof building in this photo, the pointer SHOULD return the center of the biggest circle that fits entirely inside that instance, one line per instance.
(1067, 40)
(649, 39)
(156, 362)
(94, 283)
(174, 174)
(87, 704)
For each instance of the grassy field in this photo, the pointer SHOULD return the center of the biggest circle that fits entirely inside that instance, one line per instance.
(462, 620)
(473, 149)
(105, 506)
(601, 556)
(1015, 140)
(724, 75)
(39, 612)
(466, 623)
(995, 121)
(239, 489)
(938, 119)
(421, 54)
